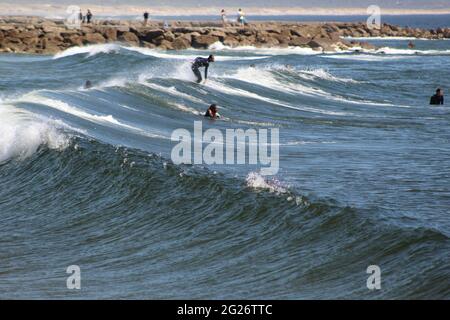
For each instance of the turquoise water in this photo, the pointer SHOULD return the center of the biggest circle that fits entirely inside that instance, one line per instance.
(86, 176)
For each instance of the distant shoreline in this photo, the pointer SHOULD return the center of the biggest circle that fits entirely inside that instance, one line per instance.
(54, 11)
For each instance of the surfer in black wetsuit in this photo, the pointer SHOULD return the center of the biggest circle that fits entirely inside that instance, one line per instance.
(212, 112)
(199, 63)
(438, 98)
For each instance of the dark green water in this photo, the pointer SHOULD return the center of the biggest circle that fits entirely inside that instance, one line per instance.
(86, 177)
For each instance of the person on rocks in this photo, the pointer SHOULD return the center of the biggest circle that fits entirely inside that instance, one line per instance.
(89, 16)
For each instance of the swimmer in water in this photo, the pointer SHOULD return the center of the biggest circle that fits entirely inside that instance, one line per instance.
(88, 84)
(438, 98)
(212, 112)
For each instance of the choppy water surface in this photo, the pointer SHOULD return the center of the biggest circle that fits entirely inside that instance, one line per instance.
(86, 176)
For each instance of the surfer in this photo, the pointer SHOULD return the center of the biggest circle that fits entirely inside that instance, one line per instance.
(199, 63)
(212, 112)
(411, 45)
(438, 98)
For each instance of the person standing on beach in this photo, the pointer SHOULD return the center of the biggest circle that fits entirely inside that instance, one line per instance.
(145, 18)
(438, 98)
(89, 16)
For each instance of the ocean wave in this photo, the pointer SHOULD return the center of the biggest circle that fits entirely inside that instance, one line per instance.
(395, 51)
(21, 134)
(91, 50)
(268, 80)
(323, 74)
(257, 181)
(240, 92)
(218, 46)
(108, 120)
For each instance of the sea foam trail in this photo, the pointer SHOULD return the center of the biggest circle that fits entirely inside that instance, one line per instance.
(21, 134)
(91, 50)
(165, 55)
(218, 46)
(267, 79)
(218, 86)
(310, 74)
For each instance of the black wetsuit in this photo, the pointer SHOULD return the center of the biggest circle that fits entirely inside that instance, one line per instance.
(198, 63)
(437, 99)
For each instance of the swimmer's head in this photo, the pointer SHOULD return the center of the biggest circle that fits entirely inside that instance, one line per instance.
(213, 108)
(439, 91)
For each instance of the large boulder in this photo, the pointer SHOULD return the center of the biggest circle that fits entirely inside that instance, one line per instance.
(74, 40)
(149, 36)
(231, 42)
(217, 33)
(166, 45)
(299, 42)
(110, 34)
(129, 37)
(203, 42)
(316, 44)
(93, 38)
(181, 43)
(271, 42)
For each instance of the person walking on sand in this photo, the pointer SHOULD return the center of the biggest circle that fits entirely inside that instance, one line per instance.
(145, 18)
(89, 16)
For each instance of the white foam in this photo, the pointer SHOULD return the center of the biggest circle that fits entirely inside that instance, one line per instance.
(91, 50)
(366, 57)
(256, 181)
(392, 38)
(395, 51)
(324, 74)
(21, 135)
(218, 46)
(240, 92)
(175, 56)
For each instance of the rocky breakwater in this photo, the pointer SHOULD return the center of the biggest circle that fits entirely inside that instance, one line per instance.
(388, 30)
(42, 36)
